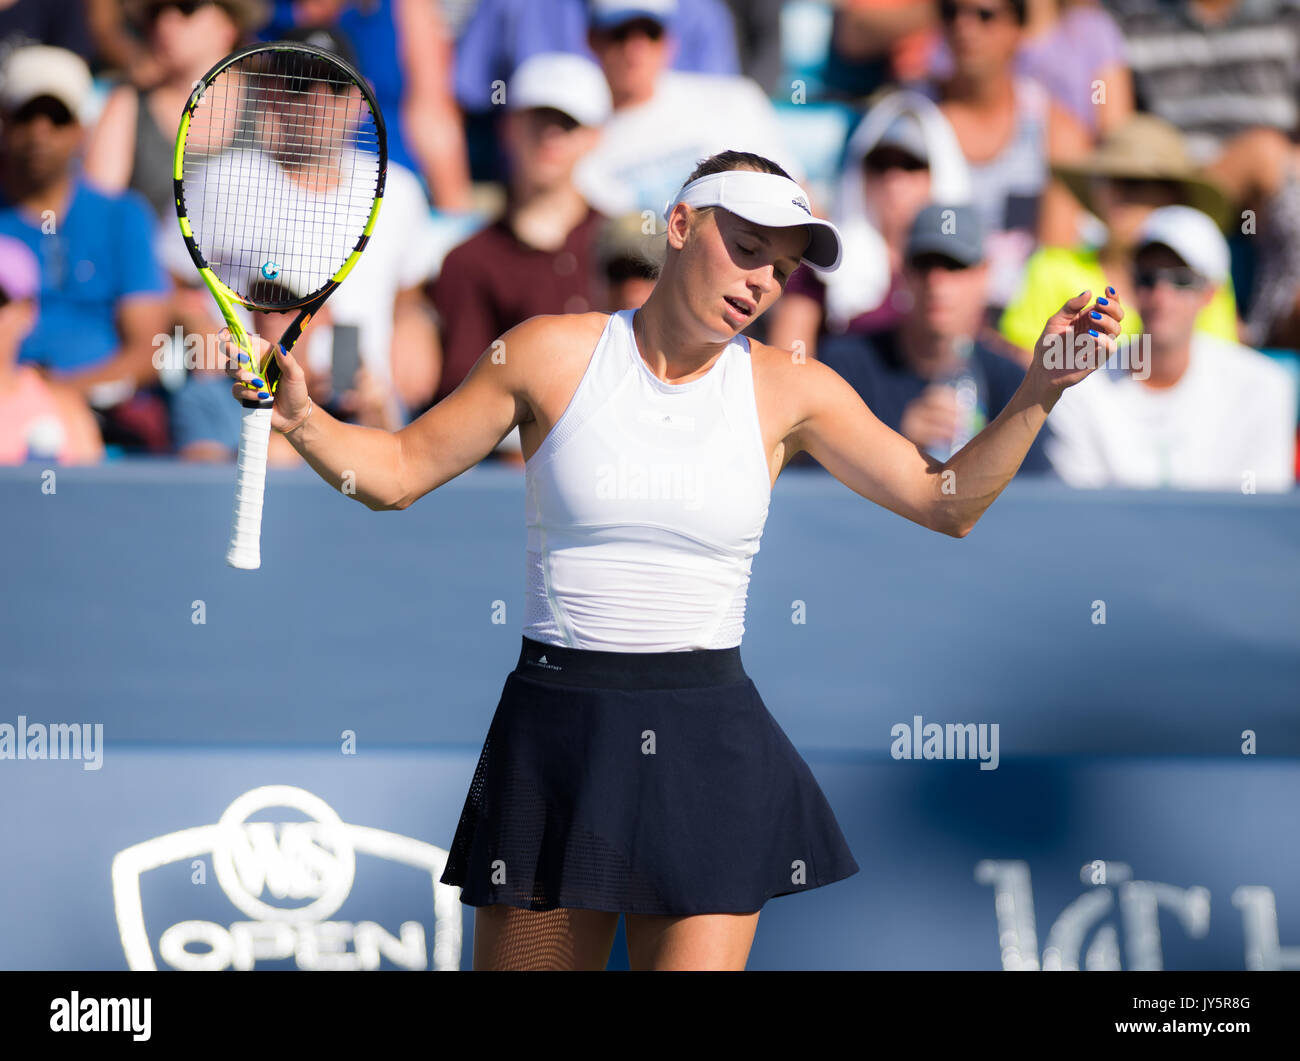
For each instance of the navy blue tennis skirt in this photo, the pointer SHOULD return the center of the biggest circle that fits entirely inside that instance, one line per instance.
(646, 783)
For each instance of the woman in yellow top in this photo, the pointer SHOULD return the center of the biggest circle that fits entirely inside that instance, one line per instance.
(1138, 167)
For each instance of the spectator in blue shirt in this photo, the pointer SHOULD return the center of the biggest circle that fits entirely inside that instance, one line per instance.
(103, 296)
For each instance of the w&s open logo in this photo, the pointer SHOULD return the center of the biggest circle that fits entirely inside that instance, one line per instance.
(287, 863)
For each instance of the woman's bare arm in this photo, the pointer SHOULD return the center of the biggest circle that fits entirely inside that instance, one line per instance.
(392, 470)
(847, 439)
(851, 443)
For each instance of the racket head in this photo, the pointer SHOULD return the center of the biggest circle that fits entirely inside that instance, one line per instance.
(279, 169)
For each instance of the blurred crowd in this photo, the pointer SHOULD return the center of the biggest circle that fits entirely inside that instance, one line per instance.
(985, 160)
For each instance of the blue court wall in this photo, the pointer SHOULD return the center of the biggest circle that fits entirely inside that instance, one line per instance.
(1148, 770)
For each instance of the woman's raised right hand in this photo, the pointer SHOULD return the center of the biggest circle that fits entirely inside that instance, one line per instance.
(291, 404)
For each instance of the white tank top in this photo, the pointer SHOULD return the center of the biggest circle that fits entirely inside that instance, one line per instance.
(645, 506)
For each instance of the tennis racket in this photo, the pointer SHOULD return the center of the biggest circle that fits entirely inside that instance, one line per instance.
(279, 172)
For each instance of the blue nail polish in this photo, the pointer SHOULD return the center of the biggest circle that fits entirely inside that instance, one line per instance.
(1103, 302)
(1092, 332)
(1110, 290)
(243, 359)
(258, 383)
(1096, 316)
(263, 395)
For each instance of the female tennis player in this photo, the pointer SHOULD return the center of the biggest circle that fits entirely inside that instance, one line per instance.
(631, 766)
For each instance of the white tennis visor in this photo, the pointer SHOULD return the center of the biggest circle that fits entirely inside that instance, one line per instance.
(765, 199)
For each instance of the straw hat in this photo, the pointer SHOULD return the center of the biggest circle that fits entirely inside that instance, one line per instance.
(1145, 148)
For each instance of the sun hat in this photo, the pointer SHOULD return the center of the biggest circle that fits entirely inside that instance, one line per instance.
(1144, 148)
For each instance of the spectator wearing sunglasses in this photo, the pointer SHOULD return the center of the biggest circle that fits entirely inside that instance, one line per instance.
(1136, 168)
(405, 53)
(1074, 49)
(133, 140)
(901, 156)
(38, 419)
(664, 121)
(103, 295)
(1011, 132)
(1202, 413)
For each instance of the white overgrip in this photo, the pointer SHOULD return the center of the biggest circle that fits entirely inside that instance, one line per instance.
(246, 527)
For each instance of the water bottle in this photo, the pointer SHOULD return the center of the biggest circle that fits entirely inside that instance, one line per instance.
(961, 377)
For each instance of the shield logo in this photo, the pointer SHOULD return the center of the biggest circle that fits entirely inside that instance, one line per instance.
(288, 877)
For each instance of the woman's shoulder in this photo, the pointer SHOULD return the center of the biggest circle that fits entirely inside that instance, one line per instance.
(560, 327)
(788, 371)
(548, 340)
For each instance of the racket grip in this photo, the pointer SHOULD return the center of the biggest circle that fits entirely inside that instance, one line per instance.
(246, 527)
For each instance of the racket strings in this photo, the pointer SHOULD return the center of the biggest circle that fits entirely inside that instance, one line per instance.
(279, 174)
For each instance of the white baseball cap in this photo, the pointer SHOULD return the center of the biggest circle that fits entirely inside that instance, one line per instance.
(40, 70)
(765, 199)
(1192, 236)
(569, 83)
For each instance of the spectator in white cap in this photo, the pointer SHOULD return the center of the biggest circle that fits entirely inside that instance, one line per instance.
(665, 120)
(38, 419)
(103, 295)
(538, 256)
(1200, 412)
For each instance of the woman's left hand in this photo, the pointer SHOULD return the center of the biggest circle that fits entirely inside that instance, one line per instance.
(1079, 338)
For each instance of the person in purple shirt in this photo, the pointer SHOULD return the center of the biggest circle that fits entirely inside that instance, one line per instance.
(911, 376)
(503, 33)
